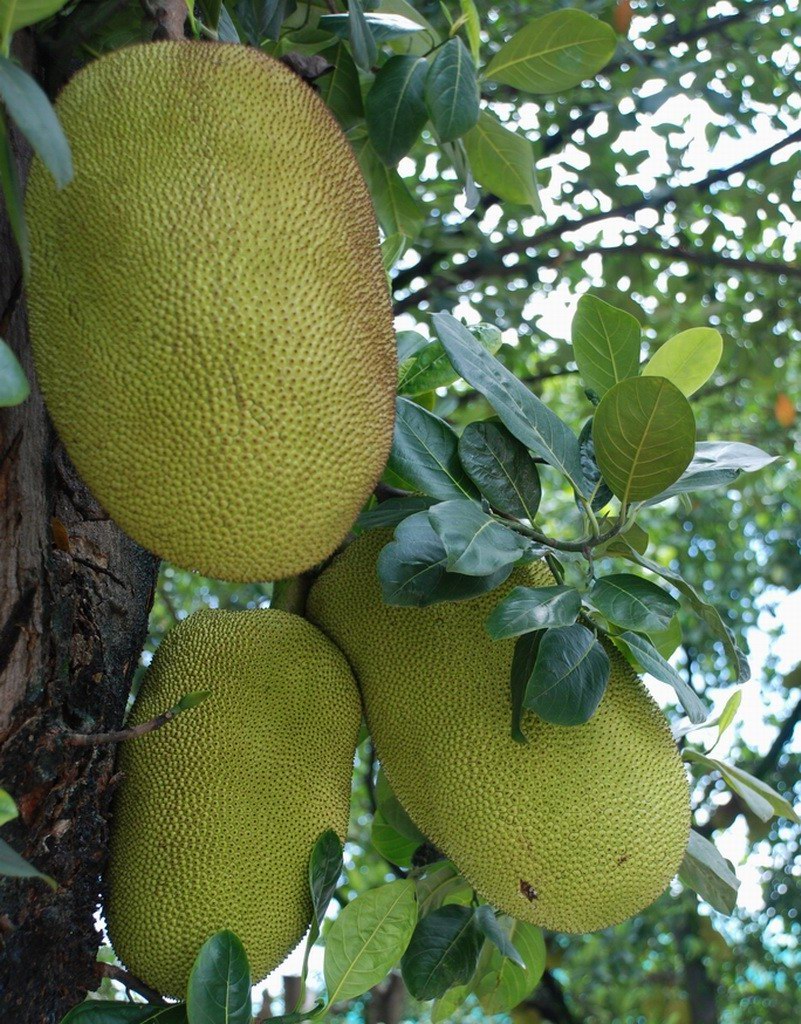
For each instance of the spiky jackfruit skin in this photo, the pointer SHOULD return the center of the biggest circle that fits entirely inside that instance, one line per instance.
(579, 829)
(219, 810)
(210, 316)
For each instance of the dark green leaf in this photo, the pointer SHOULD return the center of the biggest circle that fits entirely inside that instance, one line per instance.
(210, 10)
(553, 53)
(606, 343)
(14, 386)
(261, 19)
(393, 811)
(644, 434)
(502, 984)
(441, 882)
(529, 419)
(523, 661)
(105, 1011)
(391, 844)
(368, 938)
(12, 192)
(393, 511)
(502, 161)
(451, 91)
(502, 469)
(226, 30)
(12, 865)
(528, 608)
(633, 602)
(443, 951)
(430, 368)
(340, 87)
(218, 991)
(569, 676)
(708, 873)
(395, 108)
(382, 26)
(475, 543)
(652, 661)
(325, 867)
(425, 452)
(717, 464)
(409, 344)
(397, 210)
(601, 495)
(363, 45)
(17, 14)
(30, 108)
(491, 929)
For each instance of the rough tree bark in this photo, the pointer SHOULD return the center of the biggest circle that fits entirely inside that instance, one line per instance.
(74, 598)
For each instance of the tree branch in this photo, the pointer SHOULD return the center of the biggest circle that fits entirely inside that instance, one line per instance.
(131, 982)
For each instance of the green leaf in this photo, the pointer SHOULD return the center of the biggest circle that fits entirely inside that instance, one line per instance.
(652, 661)
(523, 660)
(666, 640)
(395, 109)
(472, 27)
(502, 469)
(729, 713)
(391, 844)
(451, 91)
(261, 19)
(502, 161)
(12, 192)
(527, 608)
(218, 991)
(210, 10)
(17, 14)
(392, 248)
(340, 88)
(14, 386)
(521, 412)
(8, 809)
(503, 985)
(644, 435)
(382, 26)
(757, 795)
(491, 929)
(360, 35)
(708, 873)
(687, 359)
(393, 511)
(105, 1011)
(444, 1010)
(30, 108)
(553, 53)
(569, 677)
(606, 343)
(443, 952)
(425, 452)
(440, 883)
(368, 938)
(409, 344)
(192, 700)
(633, 602)
(475, 543)
(393, 812)
(14, 866)
(596, 485)
(429, 367)
(717, 464)
(397, 210)
(325, 867)
(226, 30)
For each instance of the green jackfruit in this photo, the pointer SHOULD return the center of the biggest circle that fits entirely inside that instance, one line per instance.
(579, 829)
(209, 313)
(218, 811)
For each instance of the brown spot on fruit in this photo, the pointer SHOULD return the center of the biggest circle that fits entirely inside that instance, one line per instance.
(528, 890)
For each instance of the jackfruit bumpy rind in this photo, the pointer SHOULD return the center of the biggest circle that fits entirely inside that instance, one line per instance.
(219, 810)
(210, 317)
(579, 829)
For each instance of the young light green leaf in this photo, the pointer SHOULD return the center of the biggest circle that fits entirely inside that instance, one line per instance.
(218, 991)
(12, 192)
(553, 53)
(360, 35)
(451, 91)
(652, 661)
(472, 27)
(569, 677)
(709, 874)
(440, 883)
(443, 952)
(393, 511)
(502, 469)
(606, 343)
(368, 938)
(524, 659)
(192, 700)
(17, 14)
(397, 210)
(528, 608)
(429, 367)
(8, 809)
(502, 984)
(728, 715)
(717, 464)
(475, 543)
(106, 1011)
(425, 452)
(14, 866)
(491, 929)
(529, 419)
(14, 386)
(644, 436)
(687, 359)
(502, 161)
(35, 117)
(633, 602)
(395, 109)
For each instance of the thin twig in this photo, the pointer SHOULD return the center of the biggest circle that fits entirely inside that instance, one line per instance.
(80, 739)
(131, 982)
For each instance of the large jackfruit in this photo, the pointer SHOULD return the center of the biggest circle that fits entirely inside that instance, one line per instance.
(210, 317)
(218, 811)
(579, 829)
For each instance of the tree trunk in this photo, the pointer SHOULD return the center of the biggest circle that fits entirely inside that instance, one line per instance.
(701, 989)
(74, 598)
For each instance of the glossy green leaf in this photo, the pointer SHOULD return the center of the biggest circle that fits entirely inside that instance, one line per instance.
(8, 809)
(687, 359)
(523, 660)
(441, 883)
(17, 14)
(409, 344)
(527, 608)
(717, 464)
(666, 640)
(106, 1011)
(708, 873)
(599, 492)
(491, 929)
(35, 117)
(502, 469)
(14, 386)
(393, 811)
(653, 662)
(553, 53)
(425, 452)
(451, 91)
(395, 109)
(644, 435)
(475, 543)
(218, 991)
(472, 27)
(569, 677)
(443, 951)
(363, 45)
(429, 367)
(391, 844)
(368, 938)
(14, 866)
(606, 344)
(340, 88)
(758, 796)
(503, 985)
(261, 19)
(502, 161)
(633, 602)
(226, 29)
(383, 26)
(392, 248)
(529, 419)
(397, 210)
(393, 511)
(325, 867)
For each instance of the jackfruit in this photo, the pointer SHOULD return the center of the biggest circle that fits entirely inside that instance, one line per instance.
(218, 811)
(579, 829)
(210, 317)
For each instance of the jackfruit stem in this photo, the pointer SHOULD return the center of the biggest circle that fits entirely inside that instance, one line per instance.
(131, 982)
(94, 739)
